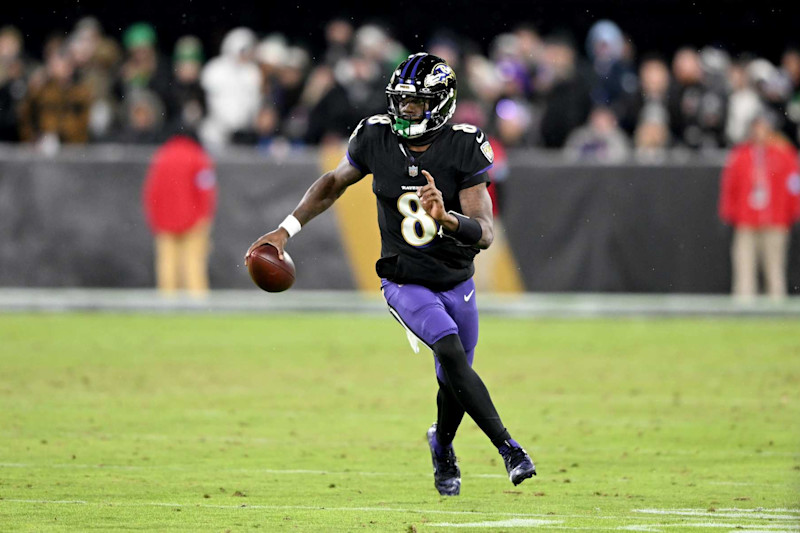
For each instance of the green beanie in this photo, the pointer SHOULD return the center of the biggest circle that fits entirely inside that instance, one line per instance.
(188, 48)
(139, 34)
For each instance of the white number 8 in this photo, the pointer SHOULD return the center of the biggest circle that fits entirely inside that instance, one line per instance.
(379, 119)
(466, 128)
(417, 228)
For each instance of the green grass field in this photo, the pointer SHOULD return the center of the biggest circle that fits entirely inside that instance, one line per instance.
(316, 423)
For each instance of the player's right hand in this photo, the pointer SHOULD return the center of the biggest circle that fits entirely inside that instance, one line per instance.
(276, 238)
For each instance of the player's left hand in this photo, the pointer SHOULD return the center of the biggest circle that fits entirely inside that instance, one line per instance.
(431, 199)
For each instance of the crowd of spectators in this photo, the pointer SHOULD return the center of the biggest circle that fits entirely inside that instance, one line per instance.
(601, 101)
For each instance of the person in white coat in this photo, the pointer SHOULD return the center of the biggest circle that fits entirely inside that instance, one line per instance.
(232, 82)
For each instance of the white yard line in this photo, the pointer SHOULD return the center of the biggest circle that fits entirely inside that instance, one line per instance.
(724, 514)
(748, 528)
(510, 520)
(748, 510)
(658, 527)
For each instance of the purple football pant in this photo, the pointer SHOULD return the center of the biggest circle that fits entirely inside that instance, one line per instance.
(431, 316)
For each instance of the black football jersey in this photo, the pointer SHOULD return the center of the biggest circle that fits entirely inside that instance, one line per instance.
(411, 249)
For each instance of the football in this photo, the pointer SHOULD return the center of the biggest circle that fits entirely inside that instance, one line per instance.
(268, 271)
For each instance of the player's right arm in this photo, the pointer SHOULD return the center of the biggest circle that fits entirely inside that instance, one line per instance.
(319, 197)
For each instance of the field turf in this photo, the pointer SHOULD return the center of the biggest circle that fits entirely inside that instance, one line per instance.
(316, 423)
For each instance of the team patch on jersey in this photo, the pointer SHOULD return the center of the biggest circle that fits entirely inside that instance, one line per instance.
(440, 74)
(413, 171)
(486, 148)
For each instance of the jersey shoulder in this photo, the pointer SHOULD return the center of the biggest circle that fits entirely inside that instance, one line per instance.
(369, 141)
(371, 127)
(472, 141)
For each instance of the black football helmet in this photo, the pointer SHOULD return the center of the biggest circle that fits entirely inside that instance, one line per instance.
(431, 79)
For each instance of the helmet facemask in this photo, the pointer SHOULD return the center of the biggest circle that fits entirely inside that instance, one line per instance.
(437, 109)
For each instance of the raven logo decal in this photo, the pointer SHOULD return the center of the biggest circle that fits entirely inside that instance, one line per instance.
(440, 74)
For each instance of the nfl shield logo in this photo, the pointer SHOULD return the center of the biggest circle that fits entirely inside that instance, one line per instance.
(413, 170)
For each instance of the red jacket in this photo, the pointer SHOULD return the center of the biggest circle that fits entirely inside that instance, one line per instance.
(758, 199)
(180, 189)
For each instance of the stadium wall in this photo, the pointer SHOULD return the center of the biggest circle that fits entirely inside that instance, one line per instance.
(75, 220)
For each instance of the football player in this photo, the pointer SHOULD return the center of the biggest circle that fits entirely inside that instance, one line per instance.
(434, 214)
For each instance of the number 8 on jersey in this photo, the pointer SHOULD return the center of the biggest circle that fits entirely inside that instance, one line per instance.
(418, 227)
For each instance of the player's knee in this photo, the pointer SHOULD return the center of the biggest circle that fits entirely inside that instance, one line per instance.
(449, 351)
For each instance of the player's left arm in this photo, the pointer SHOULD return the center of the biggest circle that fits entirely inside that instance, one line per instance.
(477, 205)
(475, 226)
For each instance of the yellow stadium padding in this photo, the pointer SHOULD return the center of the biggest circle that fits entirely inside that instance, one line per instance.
(496, 269)
(357, 215)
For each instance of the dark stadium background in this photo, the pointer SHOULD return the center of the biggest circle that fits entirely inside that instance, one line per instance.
(760, 28)
(654, 25)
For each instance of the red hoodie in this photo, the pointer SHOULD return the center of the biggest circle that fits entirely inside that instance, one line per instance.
(758, 199)
(180, 189)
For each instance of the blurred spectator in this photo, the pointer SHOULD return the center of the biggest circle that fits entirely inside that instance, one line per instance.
(374, 44)
(445, 44)
(530, 46)
(270, 55)
(96, 58)
(57, 110)
(364, 75)
(544, 87)
(697, 109)
(790, 66)
(13, 82)
(513, 123)
(480, 74)
(743, 103)
(760, 198)
(144, 119)
(652, 140)
(144, 67)
(179, 200)
(650, 102)
(264, 131)
(601, 140)
(773, 87)
(38, 74)
(716, 63)
(566, 88)
(510, 67)
(288, 89)
(357, 90)
(187, 98)
(615, 80)
(10, 48)
(266, 127)
(339, 41)
(232, 82)
(329, 111)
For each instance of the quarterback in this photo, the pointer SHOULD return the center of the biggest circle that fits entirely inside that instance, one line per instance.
(434, 214)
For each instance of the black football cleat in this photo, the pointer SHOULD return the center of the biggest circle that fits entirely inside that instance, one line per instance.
(446, 474)
(518, 463)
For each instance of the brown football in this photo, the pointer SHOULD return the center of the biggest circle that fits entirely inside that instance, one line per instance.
(268, 272)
